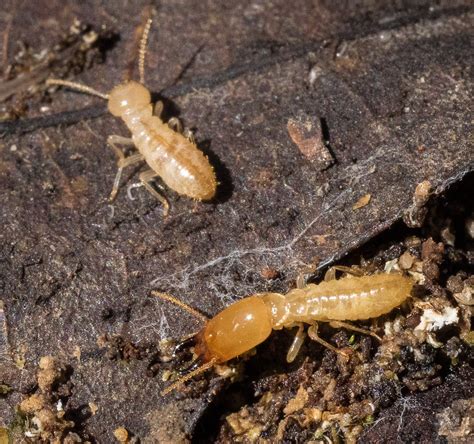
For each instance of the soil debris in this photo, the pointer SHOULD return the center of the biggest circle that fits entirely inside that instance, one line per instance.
(415, 215)
(456, 422)
(121, 435)
(362, 202)
(306, 132)
(80, 48)
(43, 415)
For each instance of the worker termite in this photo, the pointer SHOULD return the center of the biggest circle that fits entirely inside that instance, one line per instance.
(248, 322)
(169, 152)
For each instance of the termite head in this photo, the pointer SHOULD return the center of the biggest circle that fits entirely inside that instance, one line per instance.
(235, 330)
(126, 96)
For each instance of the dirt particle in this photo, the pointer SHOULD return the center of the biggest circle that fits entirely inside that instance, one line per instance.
(121, 434)
(297, 403)
(50, 370)
(306, 133)
(362, 202)
(432, 255)
(32, 404)
(93, 407)
(269, 273)
(119, 348)
(406, 261)
(456, 422)
(415, 215)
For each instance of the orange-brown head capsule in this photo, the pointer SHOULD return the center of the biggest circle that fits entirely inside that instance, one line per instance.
(128, 96)
(235, 330)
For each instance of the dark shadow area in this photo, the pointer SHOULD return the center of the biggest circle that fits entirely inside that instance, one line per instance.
(327, 138)
(170, 109)
(223, 174)
(106, 42)
(79, 416)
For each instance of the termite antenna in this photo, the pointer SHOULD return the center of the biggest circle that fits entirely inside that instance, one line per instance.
(77, 87)
(189, 376)
(142, 51)
(186, 307)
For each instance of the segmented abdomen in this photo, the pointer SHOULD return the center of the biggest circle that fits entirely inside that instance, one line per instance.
(180, 164)
(349, 298)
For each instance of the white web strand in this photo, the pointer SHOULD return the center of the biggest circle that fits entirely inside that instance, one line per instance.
(279, 256)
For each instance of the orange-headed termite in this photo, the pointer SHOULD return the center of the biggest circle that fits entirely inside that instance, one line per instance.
(171, 155)
(248, 322)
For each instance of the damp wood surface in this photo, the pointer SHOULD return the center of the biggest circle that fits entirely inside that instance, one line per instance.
(389, 91)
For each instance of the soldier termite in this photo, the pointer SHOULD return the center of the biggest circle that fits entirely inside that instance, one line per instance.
(170, 153)
(248, 322)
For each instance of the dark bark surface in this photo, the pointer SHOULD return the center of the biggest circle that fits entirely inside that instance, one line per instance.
(386, 87)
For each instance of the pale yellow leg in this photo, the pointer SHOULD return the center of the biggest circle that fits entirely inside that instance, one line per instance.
(113, 141)
(301, 279)
(313, 334)
(330, 274)
(347, 326)
(158, 108)
(189, 135)
(296, 344)
(145, 179)
(175, 124)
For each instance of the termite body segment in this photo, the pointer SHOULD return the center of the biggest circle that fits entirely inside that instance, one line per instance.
(171, 155)
(249, 322)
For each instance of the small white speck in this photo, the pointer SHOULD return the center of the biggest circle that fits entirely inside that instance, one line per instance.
(384, 36)
(13, 148)
(433, 320)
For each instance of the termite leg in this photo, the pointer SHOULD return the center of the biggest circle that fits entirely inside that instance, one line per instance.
(296, 344)
(313, 334)
(175, 124)
(115, 140)
(340, 324)
(145, 179)
(330, 275)
(158, 108)
(123, 161)
(189, 135)
(303, 276)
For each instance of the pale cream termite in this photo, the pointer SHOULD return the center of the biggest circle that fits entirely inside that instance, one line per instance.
(170, 155)
(248, 322)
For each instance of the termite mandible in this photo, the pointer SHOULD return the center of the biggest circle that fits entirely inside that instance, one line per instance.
(169, 152)
(248, 322)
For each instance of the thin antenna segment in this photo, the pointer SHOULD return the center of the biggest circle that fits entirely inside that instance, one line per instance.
(189, 376)
(142, 51)
(180, 304)
(77, 87)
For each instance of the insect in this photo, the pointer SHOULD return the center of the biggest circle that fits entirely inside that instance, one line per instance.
(247, 323)
(170, 152)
